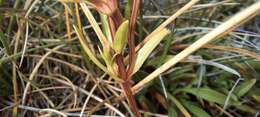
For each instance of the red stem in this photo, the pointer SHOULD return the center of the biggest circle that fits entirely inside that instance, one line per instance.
(121, 67)
(115, 21)
(130, 97)
(126, 85)
(131, 34)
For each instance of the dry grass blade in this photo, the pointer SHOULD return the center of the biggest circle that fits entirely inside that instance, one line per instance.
(215, 64)
(226, 48)
(221, 30)
(94, 97)
(31, 8)
(168, 21)
(27, 28)
(74, 1)
(87, 49)
(25, 43)
(66, 12)
(86, 101)
(95, 26)
(179, 106)
(54, 111)
(34, 72)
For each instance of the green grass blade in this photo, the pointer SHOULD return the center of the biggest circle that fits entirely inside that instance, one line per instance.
(179, 105)
(242, 89)
(195, 109)
(208, 94)
(4, 42)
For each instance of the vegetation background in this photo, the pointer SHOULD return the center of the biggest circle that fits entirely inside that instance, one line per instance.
(39, 46)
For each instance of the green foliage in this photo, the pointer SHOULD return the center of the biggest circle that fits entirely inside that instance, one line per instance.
(172, 112)
(4, 42)
(1, 2)
(121, 37)
(243, 88)
(88, 51)
(179, 105)
(246, 108)
(195, 109)
(128, 9)
(105, 27)
(149, 46)
(208, 94)
(6, 85)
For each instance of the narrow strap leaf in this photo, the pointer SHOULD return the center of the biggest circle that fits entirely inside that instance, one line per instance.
(88, 51)
(149, 46)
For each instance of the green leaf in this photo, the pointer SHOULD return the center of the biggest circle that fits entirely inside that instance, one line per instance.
(91, 54)
(121, 37)
(157, 60)
(88, 51)
(179, 105)
(148, 47)
(194, 109)
(246, 108)
(208, 94)
(5, 81)
(105, 27)
(172, 112)
(108, 60)
(106, 57)
(244, 87)
(166, 48)
(5, 42)
(1, 2)
(257, 98)
(128, 9)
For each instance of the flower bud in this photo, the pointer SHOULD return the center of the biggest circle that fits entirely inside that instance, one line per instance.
(107, 7)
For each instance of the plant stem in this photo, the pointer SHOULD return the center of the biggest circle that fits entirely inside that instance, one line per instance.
(131, 100)
(115, 21)
(126, 85)
(131, 43)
